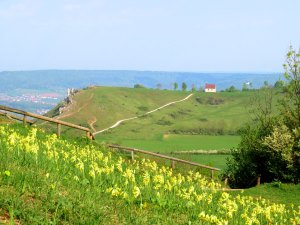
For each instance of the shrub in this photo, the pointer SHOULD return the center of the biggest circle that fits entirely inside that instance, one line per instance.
(270, 146)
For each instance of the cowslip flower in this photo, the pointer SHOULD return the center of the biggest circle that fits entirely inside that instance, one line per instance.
(136, 191)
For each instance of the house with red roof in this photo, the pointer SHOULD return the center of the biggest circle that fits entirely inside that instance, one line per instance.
(210, 88)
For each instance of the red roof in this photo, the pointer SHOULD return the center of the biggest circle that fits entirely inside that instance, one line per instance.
(210, 86)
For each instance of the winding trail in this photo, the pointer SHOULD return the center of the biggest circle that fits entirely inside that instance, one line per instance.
(135, 117)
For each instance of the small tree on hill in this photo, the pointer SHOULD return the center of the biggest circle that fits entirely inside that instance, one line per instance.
(231, 89)
(245, 87)
(184, 86)
(158, 86)
(175, 86)
(193, 88)
(139, 86)
(279, 84)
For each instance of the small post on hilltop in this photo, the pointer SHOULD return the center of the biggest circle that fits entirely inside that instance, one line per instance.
(226, 181)
(24, 119)
(258, 180)
(173, 164)
(58, 129)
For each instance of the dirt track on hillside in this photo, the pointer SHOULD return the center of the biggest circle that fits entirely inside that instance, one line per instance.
(136, 117)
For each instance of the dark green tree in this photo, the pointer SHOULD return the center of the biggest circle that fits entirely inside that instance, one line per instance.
(231, 89)
(245, 87)
(184, 86)
(158, 86)
(139, 86)
(279, 84)
(175, 86)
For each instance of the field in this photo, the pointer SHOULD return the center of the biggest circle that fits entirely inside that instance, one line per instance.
(44, 179)
(169, 143)
(183, 146)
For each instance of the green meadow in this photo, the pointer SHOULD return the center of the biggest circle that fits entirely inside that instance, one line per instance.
(169, 143)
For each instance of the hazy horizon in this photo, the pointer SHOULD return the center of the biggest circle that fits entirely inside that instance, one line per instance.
(163, 71)
(180, 36)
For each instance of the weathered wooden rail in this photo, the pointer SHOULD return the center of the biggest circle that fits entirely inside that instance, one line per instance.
(172, 159)
(25, 120)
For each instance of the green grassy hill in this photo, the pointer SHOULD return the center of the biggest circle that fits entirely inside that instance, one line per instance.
(206, 121)
(46, 180)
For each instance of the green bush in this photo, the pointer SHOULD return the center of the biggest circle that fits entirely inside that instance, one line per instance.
(270, 146)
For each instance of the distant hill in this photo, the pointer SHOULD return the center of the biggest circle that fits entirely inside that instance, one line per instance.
(14, 85)
(58, 79)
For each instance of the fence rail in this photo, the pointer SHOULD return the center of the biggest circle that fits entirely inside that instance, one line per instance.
(172, 159)
(24, 119)
(25, 114)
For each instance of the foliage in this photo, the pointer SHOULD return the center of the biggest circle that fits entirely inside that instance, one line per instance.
(175, 86)
(211, 100)
(231, 89)
(245, 87)
(184, 86)
(139, 86)
(270, 145)
(279, 84)
(158, 86)
(59, 182)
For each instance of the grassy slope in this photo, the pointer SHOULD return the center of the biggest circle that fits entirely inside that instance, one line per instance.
(277, 192)
(188, 117)
(5, 120)
(110, 104)
(44, 191)
(152, 132)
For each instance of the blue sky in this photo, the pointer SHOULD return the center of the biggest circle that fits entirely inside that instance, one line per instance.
(164, 35)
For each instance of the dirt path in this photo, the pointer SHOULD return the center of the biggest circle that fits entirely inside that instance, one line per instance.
(135, 117)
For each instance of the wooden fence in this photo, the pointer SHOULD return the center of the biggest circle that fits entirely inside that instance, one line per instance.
(25, 120)
(172, 159)
(90, 135)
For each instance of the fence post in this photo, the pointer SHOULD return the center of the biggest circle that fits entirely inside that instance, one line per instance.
(258, 180)
(212, 174)
(226, 181)
(88, 135)
(132, 155)
(58, 129)
(173, 164)
(24, 119)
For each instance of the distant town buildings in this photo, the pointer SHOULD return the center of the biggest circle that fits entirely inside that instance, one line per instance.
(210, 88)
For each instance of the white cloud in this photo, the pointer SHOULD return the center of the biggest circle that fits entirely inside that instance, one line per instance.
(19, 9)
